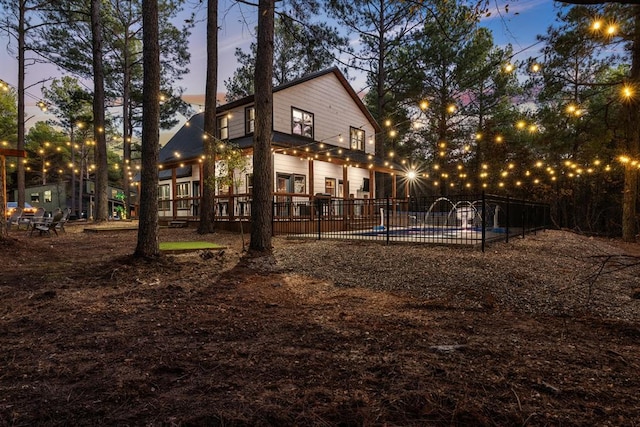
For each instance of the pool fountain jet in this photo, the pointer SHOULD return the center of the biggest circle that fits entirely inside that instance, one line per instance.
(381, 226)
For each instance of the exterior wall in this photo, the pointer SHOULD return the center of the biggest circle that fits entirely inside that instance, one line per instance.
(49, 197)
(334, 111)
(284, 164)
(323, 170)
(356, 182)
(60, 196)
(237, 122)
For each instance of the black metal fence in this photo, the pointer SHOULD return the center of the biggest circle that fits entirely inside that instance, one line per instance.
(459, 220)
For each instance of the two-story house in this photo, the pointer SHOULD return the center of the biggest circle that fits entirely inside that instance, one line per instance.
(323, 146)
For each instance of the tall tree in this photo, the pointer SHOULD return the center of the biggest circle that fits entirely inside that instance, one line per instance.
(261, 212)
(47, 153)
(99, 136)
(632, 36)
(8, 115)
(299, 49)
(16, 21)
(8, 137)
(68, 43)
(148, 245)
(71, 104)
(455, 71)
(207, 206)
(382, 27)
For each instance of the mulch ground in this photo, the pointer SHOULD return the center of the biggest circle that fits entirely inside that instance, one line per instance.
(90, 336)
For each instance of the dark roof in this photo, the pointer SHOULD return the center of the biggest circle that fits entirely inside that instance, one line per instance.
(187, 141)
(180, 172)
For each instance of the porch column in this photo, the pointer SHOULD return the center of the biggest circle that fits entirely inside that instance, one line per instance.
(372, 191)
(372, 183)
(345, 191)
(393, 186)
(394, 193)
(311, 178)
(174, 188)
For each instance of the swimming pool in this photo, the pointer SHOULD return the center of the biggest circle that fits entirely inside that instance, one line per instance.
(439, 232)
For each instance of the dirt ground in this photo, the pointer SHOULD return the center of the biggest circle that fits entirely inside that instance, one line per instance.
(90, 337)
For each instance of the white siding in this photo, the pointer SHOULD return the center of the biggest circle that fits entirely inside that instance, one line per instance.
(356, 179)
(333, 109)
(290, 165)
(240, 176)
(236, 122)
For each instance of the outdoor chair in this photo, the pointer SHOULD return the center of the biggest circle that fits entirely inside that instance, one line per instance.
(37, 217)
(14, 219)
(47, 224)
(66, 213)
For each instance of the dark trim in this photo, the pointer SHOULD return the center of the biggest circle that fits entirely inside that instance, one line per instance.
(313, 122)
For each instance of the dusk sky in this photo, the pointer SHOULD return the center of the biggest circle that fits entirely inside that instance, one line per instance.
(526, 19)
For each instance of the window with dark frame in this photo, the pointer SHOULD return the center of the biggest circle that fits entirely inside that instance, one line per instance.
(356, 138)
(291, 183)
(330, 186)
(301, 123)
(249, 120)
(223, 127)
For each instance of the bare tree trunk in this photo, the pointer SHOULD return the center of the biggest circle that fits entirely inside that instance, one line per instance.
(148, 245)
(102, 207)
(380, 187)
(630, 195)
(126, 125)
(261, 212)
(208, 187)
(4, 231)
(21, 113)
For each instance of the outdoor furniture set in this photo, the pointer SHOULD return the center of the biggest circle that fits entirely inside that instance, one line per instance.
(39, 222)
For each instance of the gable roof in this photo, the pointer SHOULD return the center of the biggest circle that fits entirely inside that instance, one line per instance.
(334, 70)
(187, 144)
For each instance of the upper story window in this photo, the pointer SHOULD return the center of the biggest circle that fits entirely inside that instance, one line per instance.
(249, 120)
(223, 127)
(301, 123)
(356, 138)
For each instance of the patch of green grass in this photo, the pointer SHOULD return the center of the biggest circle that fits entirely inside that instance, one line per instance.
(188, 246)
